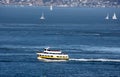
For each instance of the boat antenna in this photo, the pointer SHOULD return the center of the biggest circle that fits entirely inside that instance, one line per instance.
(47, 48)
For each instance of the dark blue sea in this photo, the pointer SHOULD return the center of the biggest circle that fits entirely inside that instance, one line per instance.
(92, 43)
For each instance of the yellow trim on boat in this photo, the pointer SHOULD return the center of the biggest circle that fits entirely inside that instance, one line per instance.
(53, 57)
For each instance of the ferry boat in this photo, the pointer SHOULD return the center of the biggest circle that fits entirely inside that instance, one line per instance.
(52, 55)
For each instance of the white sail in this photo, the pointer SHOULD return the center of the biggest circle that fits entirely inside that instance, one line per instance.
(51, 7)
(114, 17)
(42, 17)
(107, 17)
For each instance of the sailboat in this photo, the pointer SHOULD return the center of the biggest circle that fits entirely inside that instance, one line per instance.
(114, 17)
(42, 16)
(107, 17)
(51, 7)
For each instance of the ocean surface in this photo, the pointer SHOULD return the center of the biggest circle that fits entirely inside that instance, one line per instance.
(92, 43)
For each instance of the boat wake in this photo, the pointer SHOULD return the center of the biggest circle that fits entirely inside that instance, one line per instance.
(95, 60)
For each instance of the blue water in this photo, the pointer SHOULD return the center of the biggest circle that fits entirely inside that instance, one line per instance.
(92, 42)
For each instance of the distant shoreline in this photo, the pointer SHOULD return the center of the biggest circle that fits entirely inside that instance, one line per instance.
(59, 6)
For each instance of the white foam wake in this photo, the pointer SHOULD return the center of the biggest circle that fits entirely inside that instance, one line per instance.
(96, 60)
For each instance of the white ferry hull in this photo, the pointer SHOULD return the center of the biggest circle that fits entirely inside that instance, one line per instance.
(50, 60)
(42, 56)
(52, 55)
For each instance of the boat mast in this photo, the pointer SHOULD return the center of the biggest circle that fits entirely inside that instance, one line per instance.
(114, 17)
(107, 17)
